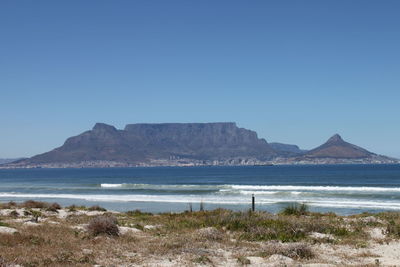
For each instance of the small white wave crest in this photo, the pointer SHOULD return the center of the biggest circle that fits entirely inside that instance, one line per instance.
(316, 188)
(111, 185)
(231, 200)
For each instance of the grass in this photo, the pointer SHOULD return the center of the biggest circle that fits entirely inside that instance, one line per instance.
(248, 226)
(96, 208)
(4, 224)
(41, 246)
(293, 250)
(295, 209)
(202, 260)
(73, 208)
(196, 236)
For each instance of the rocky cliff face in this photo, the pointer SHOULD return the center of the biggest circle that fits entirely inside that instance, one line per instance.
(139, 143)
(336, 147)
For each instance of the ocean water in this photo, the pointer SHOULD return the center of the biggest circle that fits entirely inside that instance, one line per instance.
(344, 189)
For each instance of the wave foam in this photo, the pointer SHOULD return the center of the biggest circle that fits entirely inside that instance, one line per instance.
(316, 188)
(232, 200)
(246, 189)
(111, 185)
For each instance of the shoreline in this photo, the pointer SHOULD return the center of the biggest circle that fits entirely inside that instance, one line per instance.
(218, 237)
(76, 166)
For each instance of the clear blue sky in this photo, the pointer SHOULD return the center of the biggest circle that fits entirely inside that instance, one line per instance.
(294, 71)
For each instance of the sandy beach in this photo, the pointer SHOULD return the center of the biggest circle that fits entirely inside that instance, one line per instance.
(43, 234)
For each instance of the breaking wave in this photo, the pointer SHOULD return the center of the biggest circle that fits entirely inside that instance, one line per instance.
(232, 200)
(246, 189)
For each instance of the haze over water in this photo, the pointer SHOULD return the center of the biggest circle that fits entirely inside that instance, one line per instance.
(344, 189)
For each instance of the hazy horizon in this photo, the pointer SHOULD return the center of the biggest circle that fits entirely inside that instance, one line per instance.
(294, 72)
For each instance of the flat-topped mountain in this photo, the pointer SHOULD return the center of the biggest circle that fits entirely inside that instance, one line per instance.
(336, 147)
(142, 143)
(188, 144)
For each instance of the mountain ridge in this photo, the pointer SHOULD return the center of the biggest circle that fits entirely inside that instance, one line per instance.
(142, 143)
(189, 144)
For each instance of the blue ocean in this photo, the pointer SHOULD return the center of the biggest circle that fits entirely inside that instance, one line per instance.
(343, 189)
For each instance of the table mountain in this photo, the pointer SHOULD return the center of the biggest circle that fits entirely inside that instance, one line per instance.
(141, 143)
(189, 144)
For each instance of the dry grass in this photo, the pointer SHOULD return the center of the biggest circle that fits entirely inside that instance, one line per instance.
(292, 250)
(195, 237)
(43, 246)
(30, 204)
(252, 226)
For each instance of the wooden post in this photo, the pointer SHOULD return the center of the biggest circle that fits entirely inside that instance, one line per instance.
(253, 203)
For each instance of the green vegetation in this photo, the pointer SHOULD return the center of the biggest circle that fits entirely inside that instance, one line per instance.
(82, 239)
(96, 208)
(73, 208)
(242, 260)
(4, 224)
(248, 226)
(202, 260)
(295, 209)
(292, 250)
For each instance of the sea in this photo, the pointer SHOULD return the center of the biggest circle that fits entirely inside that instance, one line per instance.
(343, 189)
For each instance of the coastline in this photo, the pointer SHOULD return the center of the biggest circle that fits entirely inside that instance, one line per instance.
(48, 234)
(203, 163)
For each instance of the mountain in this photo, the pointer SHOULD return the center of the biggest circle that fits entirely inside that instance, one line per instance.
(189, 144)
(5, 161)
(286, 149)
(336, 148)
(165, 143)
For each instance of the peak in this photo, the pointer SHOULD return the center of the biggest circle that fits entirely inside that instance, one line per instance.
(103, 127)
(335, 138)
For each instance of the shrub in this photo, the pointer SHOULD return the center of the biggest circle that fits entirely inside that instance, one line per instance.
(74, 208)
(210, 233)
(36, 215)
(282, 230)
(31, 204)
(103, 225)
(138, 213)
(27, 212)
(14, 214)
(54, 207)
(393, 229)
(4, 224)
(203, 259)
(295, 209)
(242, 260)
(96, 208)
(292, 250)
(9, 205)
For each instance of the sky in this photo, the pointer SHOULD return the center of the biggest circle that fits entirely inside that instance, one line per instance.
(296, 72)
